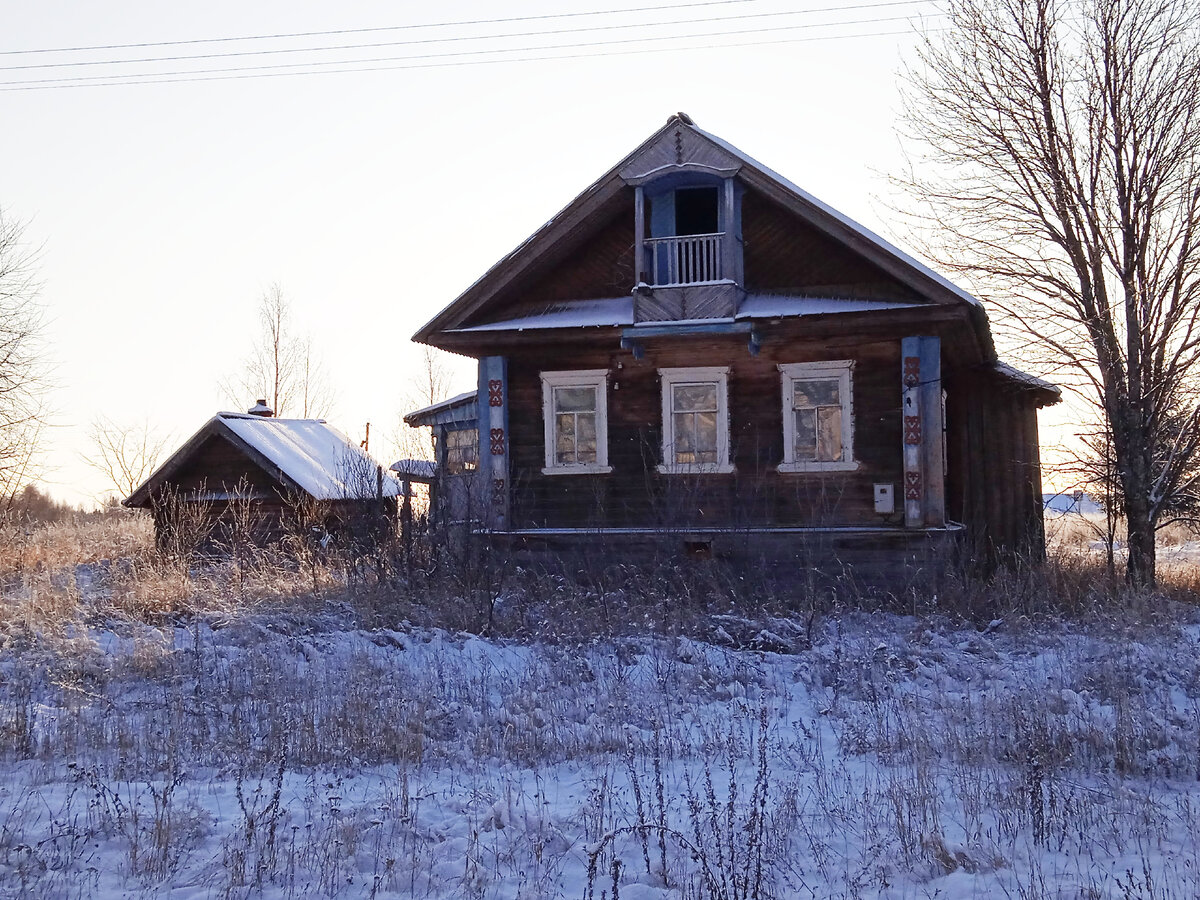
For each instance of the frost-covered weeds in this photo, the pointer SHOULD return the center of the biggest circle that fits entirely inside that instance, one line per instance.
(268, 731)
(894, 757)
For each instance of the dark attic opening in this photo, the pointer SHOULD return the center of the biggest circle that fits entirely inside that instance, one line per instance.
(696, 211)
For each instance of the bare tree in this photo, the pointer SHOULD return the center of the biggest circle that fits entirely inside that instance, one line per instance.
(282, 367)
(126, 455)
(23, 377)
(431, 385)
(1061, 153)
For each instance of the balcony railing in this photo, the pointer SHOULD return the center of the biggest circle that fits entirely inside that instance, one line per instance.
(688, 259)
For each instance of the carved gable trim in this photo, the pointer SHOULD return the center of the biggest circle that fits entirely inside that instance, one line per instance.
(679, 149)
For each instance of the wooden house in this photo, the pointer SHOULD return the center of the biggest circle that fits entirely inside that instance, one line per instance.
(255, 477)
(698, 354)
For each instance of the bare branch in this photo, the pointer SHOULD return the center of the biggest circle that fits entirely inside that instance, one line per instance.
(1059, 150)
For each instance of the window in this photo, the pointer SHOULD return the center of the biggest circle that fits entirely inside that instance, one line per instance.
(462, 450)
(695, 420)
(817, 417)
(575, 409)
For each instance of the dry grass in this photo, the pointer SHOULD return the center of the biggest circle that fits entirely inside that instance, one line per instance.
(939, 746)
(1080, 530)
(118, 535)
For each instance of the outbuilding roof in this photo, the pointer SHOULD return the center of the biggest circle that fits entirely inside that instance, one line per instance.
(308, 455)
(460, 407)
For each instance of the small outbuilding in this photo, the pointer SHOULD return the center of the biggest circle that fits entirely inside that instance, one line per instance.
(265, 479)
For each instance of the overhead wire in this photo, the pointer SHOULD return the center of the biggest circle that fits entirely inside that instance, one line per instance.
(31, 86)
(587, 29)
(369, 30)
(428, 61)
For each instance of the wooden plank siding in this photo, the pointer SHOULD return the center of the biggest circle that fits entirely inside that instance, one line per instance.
(994, 483)
(600, 268)
(217, 465)
(783, 254)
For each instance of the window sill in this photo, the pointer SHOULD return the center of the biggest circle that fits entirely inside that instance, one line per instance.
(576, 470)
(701, 469)
(803, 468)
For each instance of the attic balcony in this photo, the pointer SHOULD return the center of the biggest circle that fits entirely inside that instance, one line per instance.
(685, 259)
(688, 276)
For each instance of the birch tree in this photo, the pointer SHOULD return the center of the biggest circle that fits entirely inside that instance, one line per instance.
(282, 366)
(23, 380)
(1058, 143)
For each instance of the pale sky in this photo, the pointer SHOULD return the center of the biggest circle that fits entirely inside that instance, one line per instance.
(373, 198)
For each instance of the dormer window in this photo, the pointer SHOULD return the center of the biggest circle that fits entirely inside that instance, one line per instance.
(689, 230)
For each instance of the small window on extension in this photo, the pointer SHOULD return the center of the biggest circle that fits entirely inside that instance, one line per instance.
(462, 450)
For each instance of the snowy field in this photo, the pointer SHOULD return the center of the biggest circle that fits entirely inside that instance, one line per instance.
(293, 755)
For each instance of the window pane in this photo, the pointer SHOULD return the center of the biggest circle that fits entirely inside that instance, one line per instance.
(460, 450)
(806, 434)
(575, 399)
(829, 433)
(706, 434)
(564, 438)
(585, 438)
(695, 398)
(816, 393)
(685, 435)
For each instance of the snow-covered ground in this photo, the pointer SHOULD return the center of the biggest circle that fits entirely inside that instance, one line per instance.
(883, 756)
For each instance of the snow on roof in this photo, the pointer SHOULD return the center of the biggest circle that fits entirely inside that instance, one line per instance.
(768, 306)
(618, 311)
(315, 455)
(574, 314)
(415, 468)
(426, 411)
(1013, 374)
(840, 217)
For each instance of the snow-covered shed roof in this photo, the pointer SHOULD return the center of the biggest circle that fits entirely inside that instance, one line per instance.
(305, 454)
(1049, 393)
(460, 407)
(421, 470)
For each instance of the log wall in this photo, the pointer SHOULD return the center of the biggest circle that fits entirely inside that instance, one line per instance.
(635, 494)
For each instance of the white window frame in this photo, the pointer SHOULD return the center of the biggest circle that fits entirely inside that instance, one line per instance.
(594, 378)
(841, 369)
(705, 375)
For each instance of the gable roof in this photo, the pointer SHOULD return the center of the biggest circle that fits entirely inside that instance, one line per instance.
(306, 455)
(680, 145)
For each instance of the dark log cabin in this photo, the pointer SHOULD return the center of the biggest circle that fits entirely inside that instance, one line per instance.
(255, 478)
(698, 354)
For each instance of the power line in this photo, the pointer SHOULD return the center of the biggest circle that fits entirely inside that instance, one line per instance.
(334, 32)
(587, 29)
(144, 80)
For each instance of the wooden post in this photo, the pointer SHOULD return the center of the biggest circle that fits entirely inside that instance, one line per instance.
(492, 404)
(406, 522)
(729, 267)
(932, 451)
(913, 490)
(639, 235)
(924, 470)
